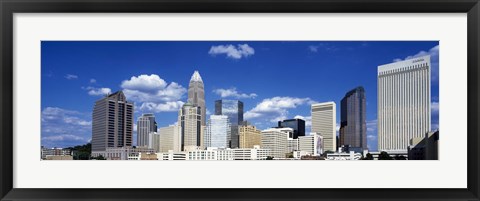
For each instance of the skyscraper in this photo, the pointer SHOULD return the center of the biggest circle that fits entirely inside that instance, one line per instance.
(145, 124)
(189, 119)
(323, 122)
(217, 132)
(196, 95)
(298, 126)
(112, 122)
(353, 127)
(234, 110)
(403, 103)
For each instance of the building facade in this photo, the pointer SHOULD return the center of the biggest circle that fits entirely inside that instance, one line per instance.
(323, 122)
(145, 124)
(170, 138)
(190, 121)
(276, 140)
(311, 144)
(234, 110)
(424, 148)
(196, 95)
(298, 126)
(249, 136)
(218, 132)
(112, 122)
(403, 103)
(154, 141)
(353, 127)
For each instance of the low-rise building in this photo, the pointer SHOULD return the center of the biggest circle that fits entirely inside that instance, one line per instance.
(424, 148)
(121, 153)
(58, 157)
(344, 156)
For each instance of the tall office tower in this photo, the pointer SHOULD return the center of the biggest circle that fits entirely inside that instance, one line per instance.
(276, 139)
(403, 103)
(298, 126)
(170, 138)
(312, 144)
(189, 119)
(217, 132)
(323, 122)
(112, 122)
(145, 124)
(196, 95)
(249, 136)
(234, 110)
(353, 127)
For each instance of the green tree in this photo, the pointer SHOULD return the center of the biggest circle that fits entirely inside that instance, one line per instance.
(368, 157)
(269, 158)
(400, 157)
(384, 156)
(99, 158)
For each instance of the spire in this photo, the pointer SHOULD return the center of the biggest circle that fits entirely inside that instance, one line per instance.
(196, 77)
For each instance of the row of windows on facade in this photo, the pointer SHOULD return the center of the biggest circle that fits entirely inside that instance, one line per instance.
(419, 66)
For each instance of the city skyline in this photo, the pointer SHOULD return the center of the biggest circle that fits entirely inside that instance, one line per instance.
(264, 105)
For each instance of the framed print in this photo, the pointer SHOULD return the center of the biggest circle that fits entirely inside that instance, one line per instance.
(258, 100)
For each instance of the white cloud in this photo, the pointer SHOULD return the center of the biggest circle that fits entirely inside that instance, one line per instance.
(435, 108)
(162, 107)
(61, 127)
(307, 119)
(151, 88)
(242, 50)
(98, 91)
(232, 92)
(313, 48)
(434, 60)
(208, 112)
(71, 77)
(276, 108)
(93, 80)
(63, 138)
(371, 125)
(371, 137)
(144, 83)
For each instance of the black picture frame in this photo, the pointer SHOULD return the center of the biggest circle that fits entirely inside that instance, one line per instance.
(10, 7)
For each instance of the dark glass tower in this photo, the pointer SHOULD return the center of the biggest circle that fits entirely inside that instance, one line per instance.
(353, 128)
(298, 126)
(233, 109)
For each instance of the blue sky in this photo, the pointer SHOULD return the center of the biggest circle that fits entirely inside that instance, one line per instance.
(274, 79)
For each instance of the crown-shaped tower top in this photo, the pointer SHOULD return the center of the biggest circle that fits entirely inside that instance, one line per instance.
(196, 77)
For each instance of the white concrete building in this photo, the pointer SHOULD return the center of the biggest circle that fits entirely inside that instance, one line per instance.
(311, 144)
(324, 122)
(344, 156)
(171, 156)
(154, 141)
(276, 139)
(256, 153)
(403, 103)
(170, 138)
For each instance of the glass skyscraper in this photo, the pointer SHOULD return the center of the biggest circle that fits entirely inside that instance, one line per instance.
(217, 132)
(233, 109)
(145, 124)
(353, 128)
(298, 126)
